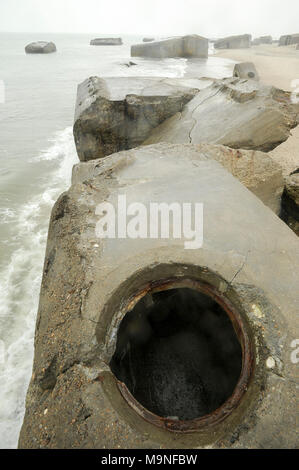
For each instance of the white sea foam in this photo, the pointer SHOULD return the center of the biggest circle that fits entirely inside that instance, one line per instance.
(148, 68)
(20, 283)
(6, 215)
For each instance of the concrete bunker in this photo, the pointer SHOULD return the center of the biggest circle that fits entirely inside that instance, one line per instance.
(246, 70)
(183, 358)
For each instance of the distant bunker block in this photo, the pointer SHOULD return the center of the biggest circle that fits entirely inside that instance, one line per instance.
(185, 46)
(256, 42)
(106, 42)
(234, 42)
(40, 47)
(266, 39)
(289, 39)
(246, 70)
(262, 40)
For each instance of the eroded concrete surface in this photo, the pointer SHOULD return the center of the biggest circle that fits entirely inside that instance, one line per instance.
(235, 112)
(248, 253)
(115, 114)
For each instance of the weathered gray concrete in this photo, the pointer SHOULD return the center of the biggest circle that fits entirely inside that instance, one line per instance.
(106, 42)
(40, 47)
(234, 112)
(246, 70)
(256, 170)
(266, 39)
(262, 40)
(234, 42)
(115, 114)
(289, 39)
(248, 253)
(290, 202)
(186, 46)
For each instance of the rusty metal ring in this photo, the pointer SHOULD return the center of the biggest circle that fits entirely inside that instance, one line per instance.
(221, 413)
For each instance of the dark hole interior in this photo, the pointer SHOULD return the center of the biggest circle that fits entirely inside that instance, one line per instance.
(178, 354)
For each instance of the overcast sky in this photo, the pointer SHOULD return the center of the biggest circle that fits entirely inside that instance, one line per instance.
(209, 18)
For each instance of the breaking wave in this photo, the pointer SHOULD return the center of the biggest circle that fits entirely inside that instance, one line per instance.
(20, 282)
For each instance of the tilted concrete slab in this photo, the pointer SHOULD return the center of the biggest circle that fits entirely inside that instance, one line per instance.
(234, 112)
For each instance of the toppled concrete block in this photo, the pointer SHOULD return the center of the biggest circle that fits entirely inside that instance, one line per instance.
(234, 42)
(289, 39)
(290, 202)
(186, 46)
(106, 42)
(233, 112)
(246, 70)
(115, 114)
(266, 39)
(40, 47)
(90, 285)
(262, 40)
(284, 40)
(256, 42)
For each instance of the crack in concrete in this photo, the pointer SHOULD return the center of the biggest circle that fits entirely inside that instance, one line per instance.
(202, 102)
(240, 269)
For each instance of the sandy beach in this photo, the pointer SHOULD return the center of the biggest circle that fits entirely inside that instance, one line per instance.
(277, 66)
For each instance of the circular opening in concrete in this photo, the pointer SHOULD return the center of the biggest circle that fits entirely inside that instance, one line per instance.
(182, 356)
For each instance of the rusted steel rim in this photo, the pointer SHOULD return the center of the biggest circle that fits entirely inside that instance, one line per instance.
(233, 401)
